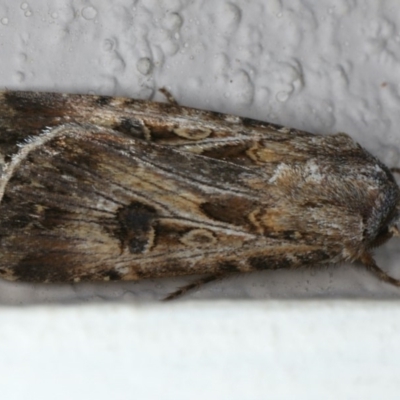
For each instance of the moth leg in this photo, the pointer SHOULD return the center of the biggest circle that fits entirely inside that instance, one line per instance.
(370, 264)
(193, 286)
(395, 170)
(170, 98)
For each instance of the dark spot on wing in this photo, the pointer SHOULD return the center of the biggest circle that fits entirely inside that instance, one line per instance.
(43, 268)
(253, 123)
(161, 132)
(131, 127)
(36, 103)
(135, 226)
(228, 266)
(112, 275)
(313, 257)
(52, 217)
(232, 210)
(103, 100)
(15, 216)
(230, 152)
(263, 263)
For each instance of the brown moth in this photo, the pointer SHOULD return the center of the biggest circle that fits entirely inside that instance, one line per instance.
(102, 188)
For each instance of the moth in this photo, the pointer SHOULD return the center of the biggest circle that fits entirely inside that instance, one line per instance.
(97, 188)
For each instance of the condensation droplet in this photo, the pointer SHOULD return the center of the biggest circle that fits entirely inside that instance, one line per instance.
(28, 13)
(172, 21)
(108, 45)
(54, 15)
(89, 13)
(282, 96)
(20, 77)
(24, 6)
(22, 57)
(4, 21)
(144, 66)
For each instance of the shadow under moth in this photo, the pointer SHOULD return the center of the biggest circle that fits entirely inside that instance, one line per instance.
(97, 188)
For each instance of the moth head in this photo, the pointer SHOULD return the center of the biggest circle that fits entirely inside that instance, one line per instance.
(387, 227)
(386, 233)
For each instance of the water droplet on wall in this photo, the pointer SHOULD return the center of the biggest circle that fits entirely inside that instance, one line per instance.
(144, 66)
(89, 13)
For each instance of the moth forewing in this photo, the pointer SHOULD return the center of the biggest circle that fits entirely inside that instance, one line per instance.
(98, 188)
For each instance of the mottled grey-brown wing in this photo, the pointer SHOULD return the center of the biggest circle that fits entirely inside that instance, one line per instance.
(83, 203)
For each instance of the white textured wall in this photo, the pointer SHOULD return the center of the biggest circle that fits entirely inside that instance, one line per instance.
(202, 350)
(323, 66)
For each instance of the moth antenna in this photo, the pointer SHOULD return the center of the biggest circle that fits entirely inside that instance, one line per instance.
(192, 286)
(369, 263)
